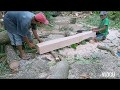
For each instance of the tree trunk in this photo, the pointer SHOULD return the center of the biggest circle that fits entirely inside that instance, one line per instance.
(12, 58)
(107, 49)
(61, 71)
(4, 39)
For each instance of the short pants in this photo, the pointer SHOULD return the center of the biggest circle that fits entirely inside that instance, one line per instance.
(100, 37)
(17, 39)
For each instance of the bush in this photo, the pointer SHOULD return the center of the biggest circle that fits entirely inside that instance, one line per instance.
(114, 15)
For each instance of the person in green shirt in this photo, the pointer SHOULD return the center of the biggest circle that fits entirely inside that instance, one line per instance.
(102, 30)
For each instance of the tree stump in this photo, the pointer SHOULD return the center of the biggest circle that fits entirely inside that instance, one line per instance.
(61, 71)
(4, 39)
(12, 58)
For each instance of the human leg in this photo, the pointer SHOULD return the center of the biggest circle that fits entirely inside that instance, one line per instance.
(30, 37)
(100, 37)
(16, 40)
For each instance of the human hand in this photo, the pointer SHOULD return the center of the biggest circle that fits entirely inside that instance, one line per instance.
(95, 30)
(40, 40)
(31, 45)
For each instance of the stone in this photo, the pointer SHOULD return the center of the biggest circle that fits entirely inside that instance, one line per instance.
(118, 49)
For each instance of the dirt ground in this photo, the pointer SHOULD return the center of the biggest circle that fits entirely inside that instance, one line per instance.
(86, 61)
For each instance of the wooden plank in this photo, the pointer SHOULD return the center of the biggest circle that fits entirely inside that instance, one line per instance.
(51, 45)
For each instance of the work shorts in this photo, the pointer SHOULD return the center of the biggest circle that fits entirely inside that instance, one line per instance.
(100, 37)
(17, 39)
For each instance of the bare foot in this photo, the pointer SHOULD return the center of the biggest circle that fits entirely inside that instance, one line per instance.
(24, 57)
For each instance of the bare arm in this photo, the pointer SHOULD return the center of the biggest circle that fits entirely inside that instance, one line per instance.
(25, 38)
(99, 29)
(95, 29)
(36, 35)
(102, 29)
(31, 45)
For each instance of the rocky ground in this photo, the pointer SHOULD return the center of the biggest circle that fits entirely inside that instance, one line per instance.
(86, 61)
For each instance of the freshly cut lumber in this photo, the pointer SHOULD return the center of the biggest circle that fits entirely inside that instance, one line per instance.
(60, 71)
(51, 45)
(12, 58)
(53, 53)
(4, 39)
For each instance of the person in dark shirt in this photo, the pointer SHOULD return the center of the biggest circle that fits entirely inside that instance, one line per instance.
(18, 24)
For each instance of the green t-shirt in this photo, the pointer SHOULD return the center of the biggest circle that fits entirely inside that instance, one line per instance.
(102, 24)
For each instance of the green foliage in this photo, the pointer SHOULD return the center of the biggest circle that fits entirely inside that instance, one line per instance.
(74, 46)
(94, 19)
(49, 15)
(114, 15)
(96, 12)
(28, 49)
(1, 29)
